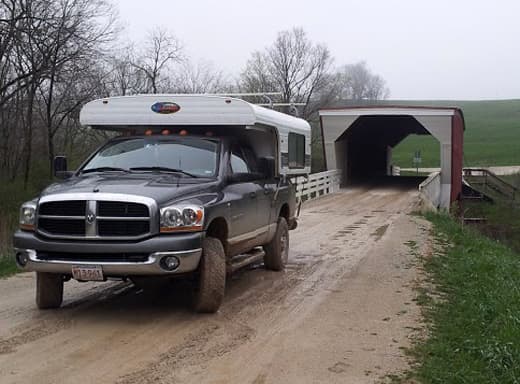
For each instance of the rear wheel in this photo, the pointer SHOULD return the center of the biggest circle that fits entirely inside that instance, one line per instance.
(211, 284)
(49, 290)
(277, 250)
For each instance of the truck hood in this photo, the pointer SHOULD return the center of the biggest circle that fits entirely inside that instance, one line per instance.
(162, 188)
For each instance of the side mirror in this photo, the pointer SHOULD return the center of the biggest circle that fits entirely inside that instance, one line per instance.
(60, 167)
(267, 165)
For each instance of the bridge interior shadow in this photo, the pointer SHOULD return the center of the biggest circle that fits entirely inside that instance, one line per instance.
(404, 183)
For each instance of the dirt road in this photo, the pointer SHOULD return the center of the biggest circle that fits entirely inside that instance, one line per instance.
(341, 313)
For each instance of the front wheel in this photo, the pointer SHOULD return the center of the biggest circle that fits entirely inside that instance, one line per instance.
(49, 290)
(277, 250)
(211, 284)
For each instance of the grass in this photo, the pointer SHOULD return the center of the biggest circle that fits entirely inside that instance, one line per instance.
(502, 221)
(7, 266)
(513, 179)
(474, 311)
(502, 216)
(492, 135)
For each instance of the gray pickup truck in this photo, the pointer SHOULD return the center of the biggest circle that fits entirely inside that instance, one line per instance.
(161, 200)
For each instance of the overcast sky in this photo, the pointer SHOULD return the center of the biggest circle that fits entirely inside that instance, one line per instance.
(435, 49)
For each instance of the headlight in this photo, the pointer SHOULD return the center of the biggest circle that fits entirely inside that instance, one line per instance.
(28, 216)
(182, 217)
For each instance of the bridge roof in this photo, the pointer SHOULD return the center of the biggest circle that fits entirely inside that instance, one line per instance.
(391, 110)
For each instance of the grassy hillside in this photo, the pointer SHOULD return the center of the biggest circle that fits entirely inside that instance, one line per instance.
(492, 135)
(472, 312)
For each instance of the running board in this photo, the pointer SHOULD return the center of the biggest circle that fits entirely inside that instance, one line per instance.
(241, 261)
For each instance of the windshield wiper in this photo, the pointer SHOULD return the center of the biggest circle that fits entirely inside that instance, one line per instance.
(163, 169)
(104, 169)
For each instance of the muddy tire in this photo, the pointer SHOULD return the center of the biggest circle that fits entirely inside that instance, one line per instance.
(49, 290)
(277, 250)
(211, 284)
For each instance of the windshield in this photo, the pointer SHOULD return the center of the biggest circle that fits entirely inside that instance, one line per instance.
(196, 157)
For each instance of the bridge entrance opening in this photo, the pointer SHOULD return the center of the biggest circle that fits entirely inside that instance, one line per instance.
(359, 141)
(367, 147)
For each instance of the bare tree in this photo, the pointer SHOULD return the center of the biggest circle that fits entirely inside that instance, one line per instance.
(24, 64)
(202, 77)
(22, 23)
(357, 82)
(125, 78)
(161, 50)
(80, 30)
(292, 65)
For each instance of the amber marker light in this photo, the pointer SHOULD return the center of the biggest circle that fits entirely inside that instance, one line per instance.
(148, 132)
(183, 132)
(165, 132)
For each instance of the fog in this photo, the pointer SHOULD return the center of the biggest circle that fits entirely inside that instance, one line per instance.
(424, 50)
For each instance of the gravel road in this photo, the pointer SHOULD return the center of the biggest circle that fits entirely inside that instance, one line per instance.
(341, 313)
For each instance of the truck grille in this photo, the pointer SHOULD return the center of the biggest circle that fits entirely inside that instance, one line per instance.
(100, 257)
(117, 209)
(64, 208)
(122, 228)
(62, 226)
(92, 219)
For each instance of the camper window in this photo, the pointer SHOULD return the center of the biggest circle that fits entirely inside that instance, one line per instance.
(296, 150)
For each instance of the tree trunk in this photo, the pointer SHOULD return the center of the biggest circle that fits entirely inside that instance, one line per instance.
(50, 143)
(29, 134)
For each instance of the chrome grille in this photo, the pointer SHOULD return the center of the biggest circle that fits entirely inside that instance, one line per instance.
(102, 218)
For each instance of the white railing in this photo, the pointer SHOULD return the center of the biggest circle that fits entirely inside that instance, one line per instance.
(317, 184)
(430, 191)
(396, 170)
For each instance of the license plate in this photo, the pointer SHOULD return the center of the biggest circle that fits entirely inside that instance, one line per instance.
(87, 272)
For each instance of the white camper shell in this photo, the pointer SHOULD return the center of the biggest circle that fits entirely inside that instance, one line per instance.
(269, 133)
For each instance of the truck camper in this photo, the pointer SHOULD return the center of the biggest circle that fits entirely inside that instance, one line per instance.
(193, 185)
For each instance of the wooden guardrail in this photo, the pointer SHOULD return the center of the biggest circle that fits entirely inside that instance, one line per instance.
(317, 184)
(490, 181)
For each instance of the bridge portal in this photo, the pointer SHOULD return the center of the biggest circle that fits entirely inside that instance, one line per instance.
(359, 141)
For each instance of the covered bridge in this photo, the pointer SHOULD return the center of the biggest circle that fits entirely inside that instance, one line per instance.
(359, 141)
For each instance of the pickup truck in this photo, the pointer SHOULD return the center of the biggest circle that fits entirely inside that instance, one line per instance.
(164, 201)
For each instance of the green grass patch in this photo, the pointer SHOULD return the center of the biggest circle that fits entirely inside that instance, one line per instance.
(513, 179)
(7, 265)
(473, 313)
(502, 221)
(491, 136)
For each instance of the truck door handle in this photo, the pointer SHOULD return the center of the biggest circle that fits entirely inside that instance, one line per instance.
(252, 195)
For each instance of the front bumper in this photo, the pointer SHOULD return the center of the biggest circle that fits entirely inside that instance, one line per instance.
(185, 247)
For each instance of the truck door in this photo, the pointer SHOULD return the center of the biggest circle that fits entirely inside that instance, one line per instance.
(266, 189)
(245, 224)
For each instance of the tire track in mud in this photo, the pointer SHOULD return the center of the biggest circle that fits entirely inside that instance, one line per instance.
(335, 233)
(210, 342)
(282, 298)
(54, 322)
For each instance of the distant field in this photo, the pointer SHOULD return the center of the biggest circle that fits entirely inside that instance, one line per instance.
(492, 135)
